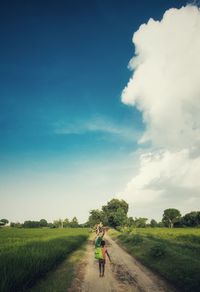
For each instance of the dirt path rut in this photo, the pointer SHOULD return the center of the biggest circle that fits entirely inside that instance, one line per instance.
(123, 274)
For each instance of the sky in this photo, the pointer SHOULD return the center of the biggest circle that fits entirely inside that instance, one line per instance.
(98, 99)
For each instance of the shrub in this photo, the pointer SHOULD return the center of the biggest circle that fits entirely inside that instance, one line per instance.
(158, 250)
(136, 238)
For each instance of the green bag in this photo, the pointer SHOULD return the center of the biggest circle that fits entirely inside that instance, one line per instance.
(98, 241)
(98, 253)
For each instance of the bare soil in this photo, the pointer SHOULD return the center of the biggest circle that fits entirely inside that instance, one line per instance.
(124, 273)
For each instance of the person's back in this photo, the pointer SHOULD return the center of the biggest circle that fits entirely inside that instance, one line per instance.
(103, 260)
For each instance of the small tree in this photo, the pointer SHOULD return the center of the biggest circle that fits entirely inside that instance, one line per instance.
(74, 222)
(58, 223)
(140, 222)
(97, 216)
(43, 223)
(66, 223)
(170, 216)
(153, 223)
(191, 219)
(4, 222)
(130, 221)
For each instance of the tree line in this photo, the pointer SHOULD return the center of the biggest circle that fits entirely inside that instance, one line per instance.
(115, 214)
(43, 223)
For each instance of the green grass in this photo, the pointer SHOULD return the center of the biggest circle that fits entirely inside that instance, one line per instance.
(173, 253)
(60, 279)
(26, 255)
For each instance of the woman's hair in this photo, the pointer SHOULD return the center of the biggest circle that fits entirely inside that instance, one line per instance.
(103, 243)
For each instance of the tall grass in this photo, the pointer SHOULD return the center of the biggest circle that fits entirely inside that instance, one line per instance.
(173, 253)
(26, 255)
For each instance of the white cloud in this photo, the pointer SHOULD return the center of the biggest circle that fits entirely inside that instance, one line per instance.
(97, 124)
(165, 88)
(166, 78)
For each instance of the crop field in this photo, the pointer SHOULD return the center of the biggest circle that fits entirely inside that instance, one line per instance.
(28, 254)
(173, 253)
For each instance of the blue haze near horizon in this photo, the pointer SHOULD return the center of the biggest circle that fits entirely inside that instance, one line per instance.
(63, 66)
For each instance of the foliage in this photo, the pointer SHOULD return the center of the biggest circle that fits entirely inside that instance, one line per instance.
(97, 216)
(170, 216)
(31, 224)
(158, 250)
(17, 224)
(43, 223)
(74, 223)
(174, 253)
(136, 238)
(113, 214)
(116, 212)
(3, 222)
(58, 223)
(153, 223)
(66, 223)
(140, 222)
(191, 219)
(27, 254)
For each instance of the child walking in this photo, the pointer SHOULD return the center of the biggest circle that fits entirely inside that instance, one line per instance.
(102, 262)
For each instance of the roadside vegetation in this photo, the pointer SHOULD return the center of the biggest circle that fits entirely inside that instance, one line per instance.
(173, 253)
(171, 247)
(26, 255)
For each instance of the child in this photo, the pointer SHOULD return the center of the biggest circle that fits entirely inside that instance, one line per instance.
(103, 261)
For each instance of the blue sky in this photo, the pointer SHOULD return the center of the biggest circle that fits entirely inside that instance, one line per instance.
(66, 139)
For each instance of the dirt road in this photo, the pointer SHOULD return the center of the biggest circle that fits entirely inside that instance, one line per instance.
(123, 274)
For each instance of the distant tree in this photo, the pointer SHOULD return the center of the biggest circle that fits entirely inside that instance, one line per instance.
(191, 219)
(58, 223)
(43, 223)
(140, 222)
(31, 224)
(153, 223)
(51, 225)
(74, 222)
(116, 212)
(120, 217)
(170, 216)
(130, 221)
(16, 225)
(4, 222)
(96, 216)
(66, 223)
(160, 224)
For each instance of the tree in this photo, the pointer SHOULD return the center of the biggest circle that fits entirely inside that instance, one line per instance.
(140, 222)
(17, 224)
(130, 221)
(153, 223)
(74, 222)
(4, 222)
(31, 224)
(43, 223)
(170, 216)
(97, 216)
(66, 223)
(120, 217)
(116, 212)
(191, 219)
(58, 223)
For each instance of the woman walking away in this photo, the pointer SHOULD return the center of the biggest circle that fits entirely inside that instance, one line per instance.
(102, 261)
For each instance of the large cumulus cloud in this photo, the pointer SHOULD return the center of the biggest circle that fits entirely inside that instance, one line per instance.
(165, 87)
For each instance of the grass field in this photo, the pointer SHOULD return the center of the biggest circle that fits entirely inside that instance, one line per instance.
(28, 254)
(173, 253)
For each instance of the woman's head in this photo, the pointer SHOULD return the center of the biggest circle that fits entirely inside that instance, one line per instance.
(103, 243)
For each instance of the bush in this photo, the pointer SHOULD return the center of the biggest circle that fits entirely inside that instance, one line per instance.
(158, 250)
(136, 238)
